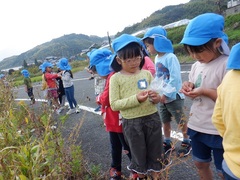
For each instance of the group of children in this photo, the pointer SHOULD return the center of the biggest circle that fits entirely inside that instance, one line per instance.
(133, 112)
(55, 86)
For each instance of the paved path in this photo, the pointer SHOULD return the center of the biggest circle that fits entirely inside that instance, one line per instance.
(86, 129)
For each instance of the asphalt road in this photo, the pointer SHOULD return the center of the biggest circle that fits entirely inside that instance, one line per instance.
(86, 129)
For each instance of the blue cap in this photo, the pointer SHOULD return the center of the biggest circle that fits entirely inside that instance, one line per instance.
(162, 44)
(45, 65)
(98, 55)
(2, 76)
(123, 40)
(90, 52)
(103, 66)
(101, 59)
(25, 73)
(155, 30)
(233, 59)
(203, 28)
(63, 64)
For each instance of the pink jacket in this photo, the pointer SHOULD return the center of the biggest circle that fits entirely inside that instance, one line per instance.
(149, 65)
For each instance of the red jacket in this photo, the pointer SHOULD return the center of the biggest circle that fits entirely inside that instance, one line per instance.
(111, 118)
(51, 79)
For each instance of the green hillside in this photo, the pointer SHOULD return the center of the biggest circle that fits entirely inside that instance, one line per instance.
(65, 46)
(175, 13)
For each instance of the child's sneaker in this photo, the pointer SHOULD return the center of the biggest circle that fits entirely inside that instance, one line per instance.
(62, 108)
(58, 111)
(184, 150)
(97, 109)
(168, 147)
(114, 174)
(32, 102)
(77, 110)
(71, 111)
(133, 176)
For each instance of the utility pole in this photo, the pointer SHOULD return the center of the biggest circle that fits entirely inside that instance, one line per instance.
(218, 3)
(109, 41)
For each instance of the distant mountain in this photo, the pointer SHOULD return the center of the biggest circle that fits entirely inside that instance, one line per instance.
(73, 44)
(65, 46)
(175, 13)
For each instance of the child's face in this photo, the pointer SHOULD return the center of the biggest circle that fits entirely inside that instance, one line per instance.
(49, 69)
(203, 57)
(130, 65)
(150, 48)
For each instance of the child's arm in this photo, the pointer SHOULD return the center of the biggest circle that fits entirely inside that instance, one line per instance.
(25, 84)
(26, 89)
(52, 76)
(104, 96)
(217, 118)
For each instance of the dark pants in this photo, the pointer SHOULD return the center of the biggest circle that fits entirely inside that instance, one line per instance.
(61, 93)
(117, 145)
(30, 93)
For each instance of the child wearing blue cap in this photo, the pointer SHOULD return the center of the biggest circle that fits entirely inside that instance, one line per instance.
(50, 78)
(112, 119)
(67, 76)
(204, 41)
(226, 115)
(2, 76)
(96, 56)
(28, 85)
(129, 94)
(171, 103)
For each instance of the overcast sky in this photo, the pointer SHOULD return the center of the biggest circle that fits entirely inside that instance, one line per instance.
(28, 23)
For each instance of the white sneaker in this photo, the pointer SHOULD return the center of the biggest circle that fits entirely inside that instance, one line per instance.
(71, 111)
(77, 110)
(58, 111)
(62, 108)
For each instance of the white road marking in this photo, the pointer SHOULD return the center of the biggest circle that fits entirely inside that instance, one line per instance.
(37, 85)
(185, 72)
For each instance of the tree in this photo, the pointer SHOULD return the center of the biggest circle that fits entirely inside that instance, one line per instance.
(10, 71)
(25, 64)
(36, 63)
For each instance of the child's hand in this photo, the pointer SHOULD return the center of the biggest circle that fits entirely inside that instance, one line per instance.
(153, 96)
(195, 92)
(142, 96)
(163, 99)
(187, 87)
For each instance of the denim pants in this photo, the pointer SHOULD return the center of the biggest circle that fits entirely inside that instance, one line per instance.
(69, 91)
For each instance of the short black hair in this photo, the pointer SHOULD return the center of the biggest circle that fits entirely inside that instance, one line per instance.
(199, 49)
(129, 51)
(148, 40)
